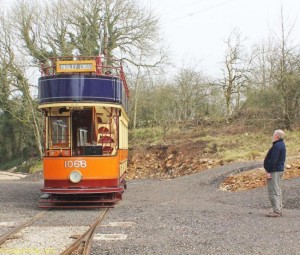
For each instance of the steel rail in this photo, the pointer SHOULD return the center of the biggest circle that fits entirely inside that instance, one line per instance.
(85, 240)
(5, 236)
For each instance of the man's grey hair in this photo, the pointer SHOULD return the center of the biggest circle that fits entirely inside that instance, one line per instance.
(279, 133)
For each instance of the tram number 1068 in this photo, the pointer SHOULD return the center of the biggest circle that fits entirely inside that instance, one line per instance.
(75, 163)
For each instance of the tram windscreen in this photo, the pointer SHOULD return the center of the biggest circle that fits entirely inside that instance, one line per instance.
(59, 131)
(82, 128)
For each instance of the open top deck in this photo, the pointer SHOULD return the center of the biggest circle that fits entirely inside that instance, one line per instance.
(82, 79)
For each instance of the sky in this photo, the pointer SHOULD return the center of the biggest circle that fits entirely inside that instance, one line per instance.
(195, 30)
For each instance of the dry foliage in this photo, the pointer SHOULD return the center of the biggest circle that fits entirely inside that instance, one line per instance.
(166, 161)
(192, 150)
(256, 178)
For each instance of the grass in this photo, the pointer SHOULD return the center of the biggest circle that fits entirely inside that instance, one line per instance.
(24, 166)
(247, 146)
(145, 136)
(292, 143)
(243, 146)
(13, 163)
(233, 146)
(36, 166)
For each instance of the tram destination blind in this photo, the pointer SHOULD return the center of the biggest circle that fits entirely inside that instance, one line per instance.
(76, 66)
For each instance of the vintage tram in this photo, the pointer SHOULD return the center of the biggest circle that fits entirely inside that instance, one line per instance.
(84, 101)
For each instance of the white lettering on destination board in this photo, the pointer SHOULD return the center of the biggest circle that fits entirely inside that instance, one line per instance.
(75, 66)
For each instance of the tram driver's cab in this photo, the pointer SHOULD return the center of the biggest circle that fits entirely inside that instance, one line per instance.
(82, 132)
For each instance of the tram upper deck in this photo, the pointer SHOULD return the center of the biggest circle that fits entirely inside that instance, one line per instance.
(85, 103)
(82, 80)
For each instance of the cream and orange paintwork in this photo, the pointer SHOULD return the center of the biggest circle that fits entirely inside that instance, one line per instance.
(102, 167)
(55, 168)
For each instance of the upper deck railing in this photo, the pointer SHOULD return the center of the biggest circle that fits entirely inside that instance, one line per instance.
(82, 80)
(95, 65)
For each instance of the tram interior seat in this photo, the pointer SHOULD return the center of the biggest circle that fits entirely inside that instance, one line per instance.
(103, 130)
(106, 139)
(107, 150)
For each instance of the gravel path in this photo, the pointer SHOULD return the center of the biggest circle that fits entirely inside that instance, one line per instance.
(51, 234)
(190, 215)
(187, 215)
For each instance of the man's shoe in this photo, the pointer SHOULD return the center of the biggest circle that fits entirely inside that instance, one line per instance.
(274, 214)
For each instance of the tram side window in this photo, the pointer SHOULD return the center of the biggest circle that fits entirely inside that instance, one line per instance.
(59, 131)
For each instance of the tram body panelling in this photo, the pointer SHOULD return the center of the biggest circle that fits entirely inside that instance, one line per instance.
(86, 130)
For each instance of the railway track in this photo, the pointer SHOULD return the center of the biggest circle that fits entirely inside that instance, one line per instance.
(82, 245)
(17, 229)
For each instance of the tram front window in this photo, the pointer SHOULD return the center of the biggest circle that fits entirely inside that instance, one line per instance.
(83, 133)
(59, 129)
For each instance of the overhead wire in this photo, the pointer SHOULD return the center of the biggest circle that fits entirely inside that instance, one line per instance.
(183, 6)
(199, 11)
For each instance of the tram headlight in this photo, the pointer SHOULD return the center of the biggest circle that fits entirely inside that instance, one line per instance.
(75, 176)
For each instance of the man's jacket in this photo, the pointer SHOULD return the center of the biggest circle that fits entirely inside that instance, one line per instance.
(274, 161)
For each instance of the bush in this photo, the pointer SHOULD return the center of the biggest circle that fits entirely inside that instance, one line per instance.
(24, 166)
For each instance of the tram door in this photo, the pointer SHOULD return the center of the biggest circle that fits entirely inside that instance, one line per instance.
(83, 134)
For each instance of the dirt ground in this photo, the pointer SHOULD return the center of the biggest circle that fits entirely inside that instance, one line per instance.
(170, 160)
(182, 157)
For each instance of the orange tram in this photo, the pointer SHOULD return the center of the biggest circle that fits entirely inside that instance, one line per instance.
(84, 102)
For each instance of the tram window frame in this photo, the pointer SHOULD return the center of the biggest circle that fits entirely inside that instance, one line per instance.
(62, 138)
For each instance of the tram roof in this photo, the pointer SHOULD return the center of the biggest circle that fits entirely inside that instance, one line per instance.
(81, 105)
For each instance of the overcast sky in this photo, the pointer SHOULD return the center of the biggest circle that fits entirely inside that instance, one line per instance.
(196, 29)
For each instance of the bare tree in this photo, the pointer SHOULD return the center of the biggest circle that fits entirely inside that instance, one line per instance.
(286, 75)
(137, 92)
(165, 111)
(52, 28)
(234, 72)
(84, 21)
(133, 29)
(16, 99)
(191, 90)
(131, 33)
(261, 68)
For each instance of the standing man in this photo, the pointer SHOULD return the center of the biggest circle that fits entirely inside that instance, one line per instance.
(274, 166)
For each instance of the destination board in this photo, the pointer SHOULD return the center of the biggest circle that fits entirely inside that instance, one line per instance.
(79, 66)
